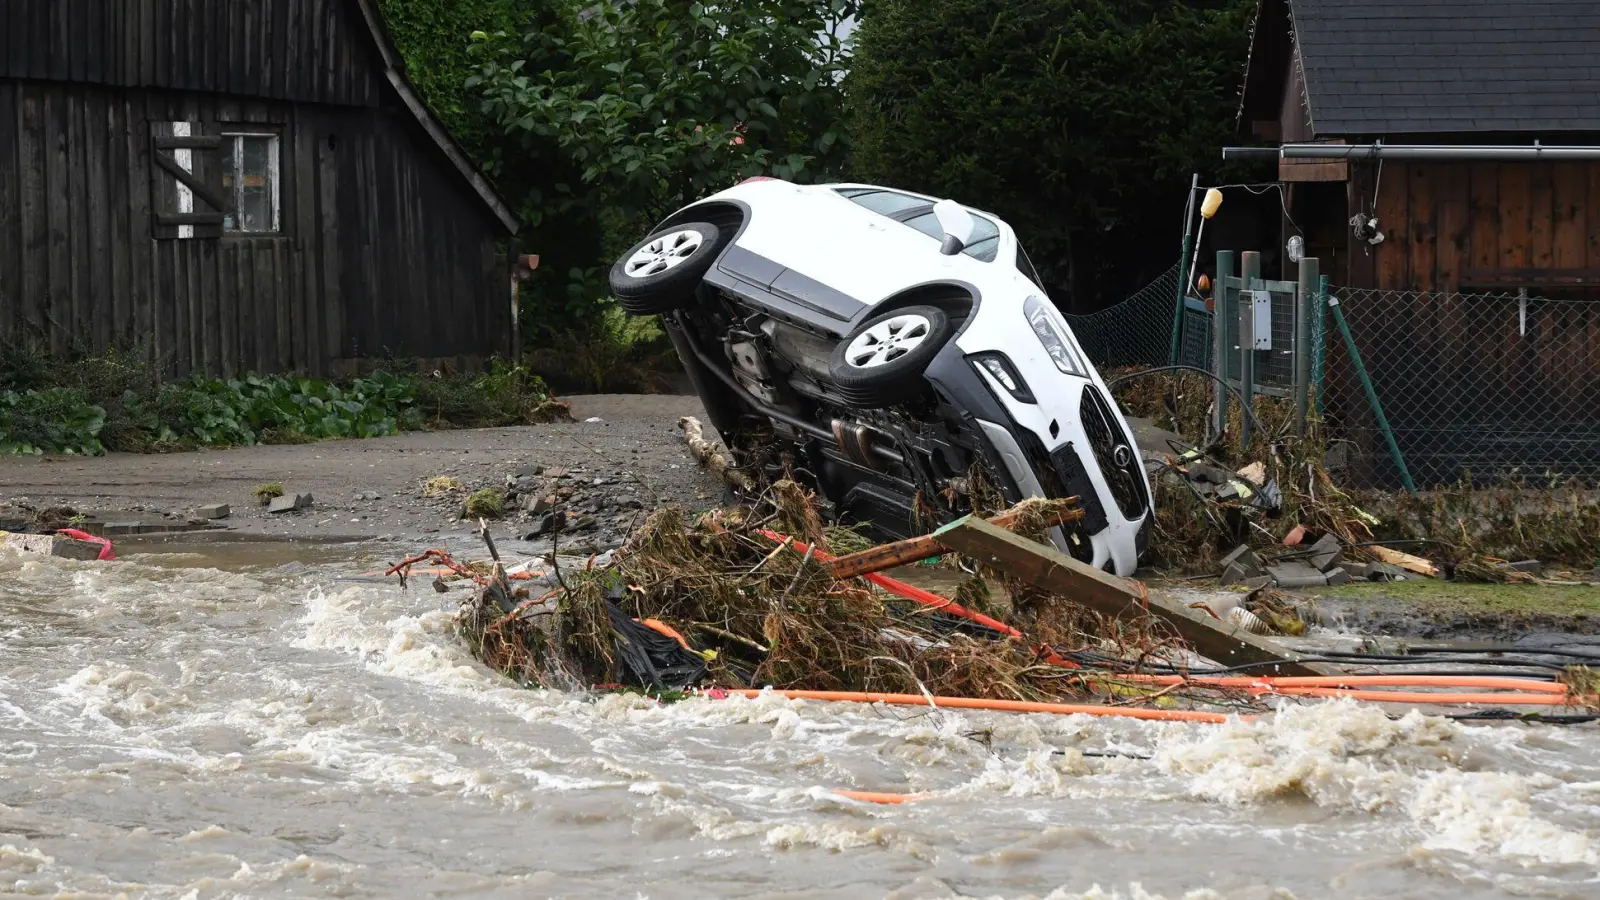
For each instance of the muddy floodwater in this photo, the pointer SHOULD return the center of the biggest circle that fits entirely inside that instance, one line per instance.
(240, 722)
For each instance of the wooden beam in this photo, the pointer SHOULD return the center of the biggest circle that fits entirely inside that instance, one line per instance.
(1107, 594)
(906, 552)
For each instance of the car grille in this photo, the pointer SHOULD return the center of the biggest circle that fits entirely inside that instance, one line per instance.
(1119, 461)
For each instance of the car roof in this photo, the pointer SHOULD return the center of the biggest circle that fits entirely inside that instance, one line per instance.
(845, 185)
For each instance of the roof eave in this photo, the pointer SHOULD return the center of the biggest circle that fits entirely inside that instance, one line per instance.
(394, 71)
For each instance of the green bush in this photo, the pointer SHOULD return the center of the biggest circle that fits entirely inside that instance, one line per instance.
(1078, 121)
(112, 402)
(54, 420)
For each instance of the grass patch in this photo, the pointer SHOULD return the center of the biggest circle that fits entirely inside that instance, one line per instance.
(485, 504)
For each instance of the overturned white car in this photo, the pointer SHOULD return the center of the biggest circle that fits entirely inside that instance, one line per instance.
(894, 351)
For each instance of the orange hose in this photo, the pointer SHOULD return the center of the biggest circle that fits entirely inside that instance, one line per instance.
(1062, 709)
(908, 591)
(878, 796)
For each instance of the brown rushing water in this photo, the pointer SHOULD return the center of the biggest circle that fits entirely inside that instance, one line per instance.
(238, 722)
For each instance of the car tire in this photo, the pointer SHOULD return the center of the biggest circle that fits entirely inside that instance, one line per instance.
(882, 362)
(661, 272)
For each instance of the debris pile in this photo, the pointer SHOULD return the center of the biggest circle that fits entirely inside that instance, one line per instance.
(738, 598)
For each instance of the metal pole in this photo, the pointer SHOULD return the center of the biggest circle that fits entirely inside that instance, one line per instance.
(1372, 396)
(1250, 272)
(1305, 298)
(1221, 302)
(1183, 286)
(1501, 152)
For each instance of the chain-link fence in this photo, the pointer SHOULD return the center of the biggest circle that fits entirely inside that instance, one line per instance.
(1138, 330)
(1492, 385)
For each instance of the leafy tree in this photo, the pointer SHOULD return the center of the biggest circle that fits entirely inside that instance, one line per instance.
(1079, 121)
(657, 102)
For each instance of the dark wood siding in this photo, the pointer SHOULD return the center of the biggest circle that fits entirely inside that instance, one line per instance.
(316, 51)
(1473, 226)
(383, 251)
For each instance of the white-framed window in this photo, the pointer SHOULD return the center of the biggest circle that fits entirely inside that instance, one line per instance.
(251, 181)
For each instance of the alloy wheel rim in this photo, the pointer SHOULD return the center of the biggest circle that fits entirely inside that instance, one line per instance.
(888, 341)
(662, 253)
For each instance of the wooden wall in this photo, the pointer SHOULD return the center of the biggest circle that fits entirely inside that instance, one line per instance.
(311, 50)
(1455, 226)
(383, 250)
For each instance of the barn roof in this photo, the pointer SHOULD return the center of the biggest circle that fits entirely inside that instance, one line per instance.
(395, 71)
(1430, 66)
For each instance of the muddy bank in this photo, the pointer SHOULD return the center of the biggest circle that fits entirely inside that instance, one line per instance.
(1442, 609)
(603, 472)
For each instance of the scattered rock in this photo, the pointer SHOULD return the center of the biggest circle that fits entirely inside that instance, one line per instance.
(1326, 553)
(1240, 564)
(290, 503)
(549, 523)
(1531, 566)
(530, 471)
(555, 472)
(53, 545)
(583, 523)
(594, 420)
(1337, 575)
(213, 511)
(1297, 575)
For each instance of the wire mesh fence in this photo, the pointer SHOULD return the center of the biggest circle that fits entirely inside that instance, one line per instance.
(1138, 330)
(1494, 386)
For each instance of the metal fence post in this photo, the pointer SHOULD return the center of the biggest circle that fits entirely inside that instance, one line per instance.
(1250, 273)
(1304, 298)
(1372, 398)
(1183, 286)
(1221, 302)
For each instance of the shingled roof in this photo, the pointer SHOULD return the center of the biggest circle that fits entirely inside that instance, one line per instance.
(1428, 66)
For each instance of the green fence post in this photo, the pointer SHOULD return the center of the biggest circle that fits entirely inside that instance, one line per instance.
(1372, 396)
(1303, 302)
(1250, 272)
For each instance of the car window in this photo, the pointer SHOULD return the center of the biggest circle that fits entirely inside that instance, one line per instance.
(887, 202)
(985, 234)
(1026, 267)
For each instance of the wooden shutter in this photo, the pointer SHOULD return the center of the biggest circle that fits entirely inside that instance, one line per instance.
(187, 200)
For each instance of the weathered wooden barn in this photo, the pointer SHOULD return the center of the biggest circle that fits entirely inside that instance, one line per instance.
(1470, 130)
(236, 186)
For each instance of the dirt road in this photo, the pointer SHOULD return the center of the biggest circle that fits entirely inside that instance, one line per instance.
(635, 451)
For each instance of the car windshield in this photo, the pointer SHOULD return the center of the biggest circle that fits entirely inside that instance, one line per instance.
(918, 213)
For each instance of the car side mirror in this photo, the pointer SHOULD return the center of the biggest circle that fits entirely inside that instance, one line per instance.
(957, 225)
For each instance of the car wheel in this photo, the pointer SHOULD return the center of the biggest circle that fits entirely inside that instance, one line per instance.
(881, 364)
(661, 273)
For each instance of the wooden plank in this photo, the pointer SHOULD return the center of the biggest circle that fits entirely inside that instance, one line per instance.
(1423, 229)
(35, 223)
(1406, 561)
(58, 188)
(1541, 215)
(280, 61)
(96, 140)
(141, 227)
(1569, 203)
(304, 225)
(328, 214)
(1305, 170)
(11, 224)
(283, 303)
(1059, 574)
(1516, 239)
(209, 360)
(264, 297)
(906, 552)
(116, 303)
(1485, 213)
(1393, 209)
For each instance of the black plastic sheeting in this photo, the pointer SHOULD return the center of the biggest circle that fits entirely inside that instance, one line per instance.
(651, 659)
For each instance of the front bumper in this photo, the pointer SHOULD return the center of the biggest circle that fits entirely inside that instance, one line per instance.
(1066, 443)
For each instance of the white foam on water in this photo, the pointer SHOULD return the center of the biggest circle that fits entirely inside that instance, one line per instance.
(1343, 755)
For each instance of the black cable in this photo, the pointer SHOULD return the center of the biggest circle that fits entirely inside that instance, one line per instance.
(1117, 666)
(1255, 422)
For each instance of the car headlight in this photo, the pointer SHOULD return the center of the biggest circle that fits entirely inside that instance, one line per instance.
(1055, 343)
